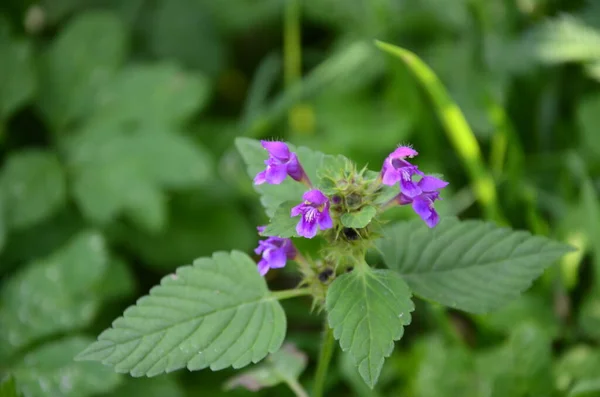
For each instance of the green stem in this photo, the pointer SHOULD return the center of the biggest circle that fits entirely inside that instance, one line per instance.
(290, 293)
(296, 387)
(324, 360)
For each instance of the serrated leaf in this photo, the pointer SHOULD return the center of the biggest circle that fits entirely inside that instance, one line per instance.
(282, 224)
(17, 75)
(468, 265)
(73, 69)
(360, 218)
(216, 313)
(367, 310)
(53, 295)
(33, 184)
(49, 370)
(151, 94)
(286, 364)
(272, 196)
(8, 387)
(121, 170)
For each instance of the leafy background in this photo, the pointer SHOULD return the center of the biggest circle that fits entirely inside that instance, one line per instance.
(117, 122)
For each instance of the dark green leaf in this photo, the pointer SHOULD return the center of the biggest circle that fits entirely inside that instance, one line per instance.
(367, 310)
(17, 75)
(282, 224)
(470, 265)
(216, 313)
(8, 387)
(33, 184)
(359, 219)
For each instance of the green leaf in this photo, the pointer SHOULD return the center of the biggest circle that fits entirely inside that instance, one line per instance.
(456, 127)
(285, 365)
(367, 310)
(216, 313)
(568, 39)
(53, 295)
(470, 265)
(17, 75)
(359, 219)
(578, 364)
(282, 224)
(50, 370)
(33, 184)
(586, 388)
(152, 94)
(122, 170)
(165, 386)
(272, 196)
(8, 388)
(83, 58)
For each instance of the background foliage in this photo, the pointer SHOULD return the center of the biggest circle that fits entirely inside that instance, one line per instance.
(117, 122)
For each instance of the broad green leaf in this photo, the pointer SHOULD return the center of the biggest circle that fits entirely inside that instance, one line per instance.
(367, 310)
(468, 265)
(118, 170)
(360, 218)
(82, 58)
(460, 134)
(568, 39)
(272, 196)
(350, 375)
(33, 184)
(50, 370)
(17, 75)
(578, 364)
(281, 223)
(586, 388)
(216, 313)
(151, 94)
(53, 295)
(8, 388)
(164, 386)
(286, 364)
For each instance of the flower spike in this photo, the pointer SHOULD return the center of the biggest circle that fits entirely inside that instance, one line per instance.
(280, 164)
(397, 168)
(276, 251)
(422, 203)
(315, 214)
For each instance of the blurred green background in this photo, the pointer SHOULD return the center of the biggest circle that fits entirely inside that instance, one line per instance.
(117, 121)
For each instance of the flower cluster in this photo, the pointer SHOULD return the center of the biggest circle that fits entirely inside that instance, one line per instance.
(416, 188)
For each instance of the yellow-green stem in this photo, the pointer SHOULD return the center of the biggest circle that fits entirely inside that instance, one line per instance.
(324, 359)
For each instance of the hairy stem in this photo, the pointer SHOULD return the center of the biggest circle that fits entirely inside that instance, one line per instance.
(291, 293)
(324, 360)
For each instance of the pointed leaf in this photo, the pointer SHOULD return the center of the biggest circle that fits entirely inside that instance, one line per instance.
(33, 185)
(470, 265)
(53, 295)
(272, 196)
(287, 363)
(359, 219)
(50, 370)
(216, 313)
(367, 310)
(282, 224)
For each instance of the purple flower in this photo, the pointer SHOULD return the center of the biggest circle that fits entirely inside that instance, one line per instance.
(429, 187)
(315, 213)
(396, 168)
(281, 163)
(276, 251)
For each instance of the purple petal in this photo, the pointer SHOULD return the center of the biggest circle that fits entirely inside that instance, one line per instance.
(403, 199)
(325, 221)
(409, 188)
(261, 228)
(433, 219)
(297, 210)
(276, 174)
(306, 229)
(431, 184)
(260, 178)
(294, 169)
(276, 149)
(390, 176)
(403, 151)
(263, 267)
(315, 197)
(424, 208)
(276, 258)
(289, 249)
